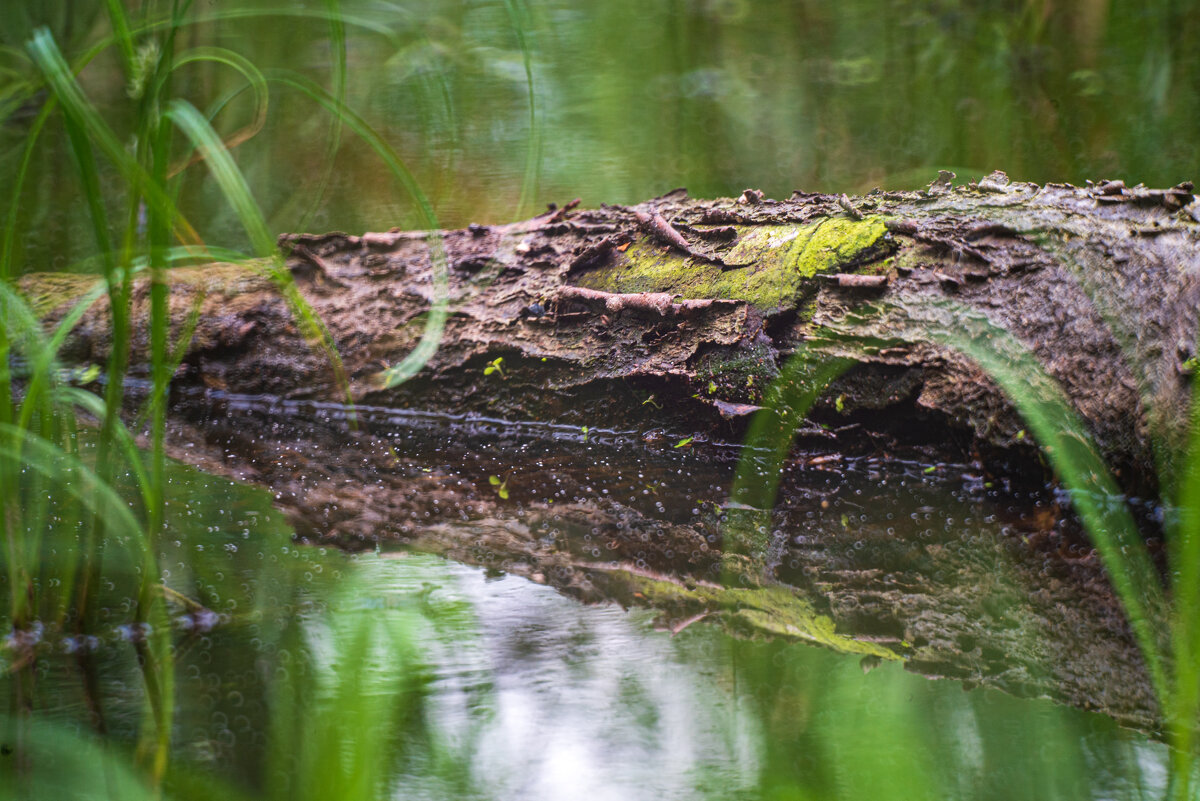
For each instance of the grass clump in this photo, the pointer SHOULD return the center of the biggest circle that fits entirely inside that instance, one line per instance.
(85, 495)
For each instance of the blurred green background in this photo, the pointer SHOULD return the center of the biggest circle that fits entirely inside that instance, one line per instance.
(499, 106)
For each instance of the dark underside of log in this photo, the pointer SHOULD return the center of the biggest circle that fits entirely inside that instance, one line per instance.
(670, 321)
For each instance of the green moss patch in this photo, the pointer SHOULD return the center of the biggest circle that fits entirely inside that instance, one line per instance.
(737, 374)
(781, 262)
(50, 292)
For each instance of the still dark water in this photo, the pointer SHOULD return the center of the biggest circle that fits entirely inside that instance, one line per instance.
(306, 666)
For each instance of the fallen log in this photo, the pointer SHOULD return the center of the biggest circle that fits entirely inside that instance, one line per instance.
(614, 317)
(624, 342)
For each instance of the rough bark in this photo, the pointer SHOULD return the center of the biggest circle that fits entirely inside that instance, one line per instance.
(678, 313)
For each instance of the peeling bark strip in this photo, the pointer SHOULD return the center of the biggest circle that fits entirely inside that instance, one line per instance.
(660, 303)
(853, 280)
(592, 315)
(661, 230)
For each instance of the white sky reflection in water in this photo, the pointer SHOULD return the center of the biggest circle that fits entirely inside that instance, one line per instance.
(549, 699)
(581, 701)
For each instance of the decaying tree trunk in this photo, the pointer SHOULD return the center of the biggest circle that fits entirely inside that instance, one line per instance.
(671, 319)
(678, 313)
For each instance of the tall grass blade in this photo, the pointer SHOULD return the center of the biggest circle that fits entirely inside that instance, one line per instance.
(1067, 444)
(435, 323)
(756, 482)
(1184, 550)
(517, 14)
(237, 192)
(69, 474)
(121, 33)
(254, 81)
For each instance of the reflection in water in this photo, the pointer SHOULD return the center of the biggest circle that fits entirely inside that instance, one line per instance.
(580, 701)
(307, 671)
(933, 564)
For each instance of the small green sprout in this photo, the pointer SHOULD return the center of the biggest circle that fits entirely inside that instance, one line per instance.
(1021, 434)
(494, 366)
(685, 442)
(931, 469)
(712, 388)
(840, 404)
(501, 486)
(584, 429)
(650, 400)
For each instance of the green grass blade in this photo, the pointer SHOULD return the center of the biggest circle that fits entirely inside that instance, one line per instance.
(756, 482)
(121, 33)
(44, 354)
(93, 405)
(1184, 543)
(220, 163)
(74, 478)
(435, 323)
(533, 155)
(254, 81)
(237, 192)
(18, 186)
(1068, 446)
